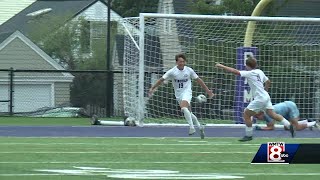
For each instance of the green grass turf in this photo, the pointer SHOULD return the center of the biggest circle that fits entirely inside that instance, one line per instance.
(187, 155)
(31, 121)
(38, 121)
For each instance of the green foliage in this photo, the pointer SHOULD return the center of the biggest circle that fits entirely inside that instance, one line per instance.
(70, 43)
(61, 42)
(132, 8)
(84, 36)
(290, 71)
(236, 7)
(88, 89)
(56, 39)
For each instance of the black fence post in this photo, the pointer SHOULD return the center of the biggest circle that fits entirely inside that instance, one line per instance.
(11, 91)
(109, 79)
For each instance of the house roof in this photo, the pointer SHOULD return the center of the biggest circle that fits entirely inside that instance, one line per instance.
(4, 36)
(9, 8)
(58, 8)
(9, 37)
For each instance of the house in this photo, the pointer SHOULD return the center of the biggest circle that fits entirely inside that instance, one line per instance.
(9, 8)
(31, 90)
(93, 12)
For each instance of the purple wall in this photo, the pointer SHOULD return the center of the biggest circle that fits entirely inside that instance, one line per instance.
(242, 93)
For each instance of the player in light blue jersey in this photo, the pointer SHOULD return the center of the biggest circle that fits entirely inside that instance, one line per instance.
(288, 110)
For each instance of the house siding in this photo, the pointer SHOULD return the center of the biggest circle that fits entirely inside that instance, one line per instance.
(9, 8)
(20, 56)
(99, 12)
(61, 93)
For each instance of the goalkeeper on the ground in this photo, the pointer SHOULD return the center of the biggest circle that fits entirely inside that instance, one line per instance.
(288, 110)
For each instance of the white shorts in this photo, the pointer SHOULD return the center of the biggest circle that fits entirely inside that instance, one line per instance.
(187, 96)
(258, 105)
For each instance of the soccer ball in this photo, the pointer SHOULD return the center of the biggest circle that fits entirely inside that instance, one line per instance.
(130, 121)
(201, 98)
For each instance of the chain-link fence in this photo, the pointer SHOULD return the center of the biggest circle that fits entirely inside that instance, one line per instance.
(60, 93)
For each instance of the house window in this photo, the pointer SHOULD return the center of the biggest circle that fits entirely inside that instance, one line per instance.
(98, 29)
(91, 30)
(167, 22)
(85, 37)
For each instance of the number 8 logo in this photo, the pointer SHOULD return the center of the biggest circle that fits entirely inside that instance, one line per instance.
(275, 153)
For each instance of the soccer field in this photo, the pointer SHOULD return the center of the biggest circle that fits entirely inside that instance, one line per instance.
(142, 158)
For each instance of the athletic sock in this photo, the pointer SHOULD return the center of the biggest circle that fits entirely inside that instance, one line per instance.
(249, 131)
(195, 120)
(187, 116)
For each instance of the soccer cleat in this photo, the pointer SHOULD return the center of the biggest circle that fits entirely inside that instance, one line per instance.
(258, 128)
(317, 125)
(202, 135)
(245, 138)
(191, 131)
(311, 127)
(292, 131)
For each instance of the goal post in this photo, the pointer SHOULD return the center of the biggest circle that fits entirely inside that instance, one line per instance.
(287, 50)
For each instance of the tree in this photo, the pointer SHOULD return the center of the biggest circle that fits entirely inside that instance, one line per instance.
(236, 7)
(56, 39)
(74, 44)
(132, 8)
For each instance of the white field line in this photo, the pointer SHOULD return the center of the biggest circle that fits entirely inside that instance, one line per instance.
(120, 162)
(194, 141)
(112, 152)
(134, 144)
(13, 175)
(270, 163)
(276, 174)
(227, 174)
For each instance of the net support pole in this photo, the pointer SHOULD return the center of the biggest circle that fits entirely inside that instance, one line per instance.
(11, 91)
(243, 94)
(141, 105)
(109, 79)
(252, 24)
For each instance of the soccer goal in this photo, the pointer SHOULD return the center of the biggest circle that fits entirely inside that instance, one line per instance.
(287, 50)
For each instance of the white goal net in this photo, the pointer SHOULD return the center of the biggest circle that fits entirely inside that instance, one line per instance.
(287, 50)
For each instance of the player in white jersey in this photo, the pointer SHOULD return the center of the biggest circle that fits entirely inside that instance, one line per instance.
(259, 84)
(181, 76)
